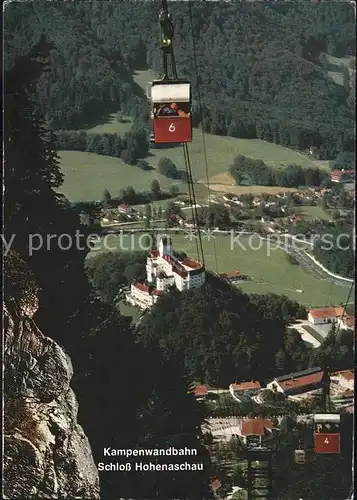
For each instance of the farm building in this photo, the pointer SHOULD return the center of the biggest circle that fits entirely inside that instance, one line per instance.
(322, 315)
(347, 322)
(298, 383)
(244, 390)
(341, 176)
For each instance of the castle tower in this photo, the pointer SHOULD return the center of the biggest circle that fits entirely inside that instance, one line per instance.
(165, 246)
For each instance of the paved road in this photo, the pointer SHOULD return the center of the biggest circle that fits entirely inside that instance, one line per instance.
(312, 267)
(306, 336)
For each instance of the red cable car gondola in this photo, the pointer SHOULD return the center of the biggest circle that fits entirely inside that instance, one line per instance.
(327, 433)
(171, 111)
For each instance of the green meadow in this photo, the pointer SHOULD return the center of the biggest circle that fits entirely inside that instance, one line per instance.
(86, 175)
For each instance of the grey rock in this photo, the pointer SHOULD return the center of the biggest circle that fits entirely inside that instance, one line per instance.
(46, 453)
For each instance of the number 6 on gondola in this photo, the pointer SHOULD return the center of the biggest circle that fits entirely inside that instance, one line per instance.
(171, 111)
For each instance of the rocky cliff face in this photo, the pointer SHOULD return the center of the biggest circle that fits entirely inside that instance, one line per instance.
(47, 454)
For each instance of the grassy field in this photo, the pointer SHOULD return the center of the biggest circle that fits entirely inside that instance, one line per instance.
(86, 175)
(312, 212)
(112, 126)
(270, 273)
(224, 182)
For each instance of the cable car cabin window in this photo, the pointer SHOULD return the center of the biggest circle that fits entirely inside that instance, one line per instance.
(181, 109)
(328, 423)
(327, 427)
(171, 111)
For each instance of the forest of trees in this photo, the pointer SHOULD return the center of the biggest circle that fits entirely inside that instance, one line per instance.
(250, 171)
(110, 271)
(262, 68)
(167, 167)
(130, 148)
(345, 160)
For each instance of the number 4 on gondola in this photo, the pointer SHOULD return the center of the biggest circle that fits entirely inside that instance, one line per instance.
(327, 433)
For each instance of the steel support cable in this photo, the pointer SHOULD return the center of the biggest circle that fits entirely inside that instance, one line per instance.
(194, 205)
(192, 195)
(345, 307)
(202, 125)
(191, 198)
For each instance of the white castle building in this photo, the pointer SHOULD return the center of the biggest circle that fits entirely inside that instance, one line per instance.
(163, 271)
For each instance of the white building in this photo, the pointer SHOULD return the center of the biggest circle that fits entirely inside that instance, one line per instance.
(164, 271)
(141, 296)
(346, 322)
(324, 315)
(345, 379)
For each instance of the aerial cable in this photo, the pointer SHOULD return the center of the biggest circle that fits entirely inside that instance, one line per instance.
(167, 48)
(194, 205)
(345, 308)
(191, 192)
(191, 198)
(202, 125)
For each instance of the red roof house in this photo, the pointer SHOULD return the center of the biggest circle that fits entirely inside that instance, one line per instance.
(244, 386)
(299, 382)
(325, 314)
(342, 175)
(200, 391)
(255, 427)
(140, 286)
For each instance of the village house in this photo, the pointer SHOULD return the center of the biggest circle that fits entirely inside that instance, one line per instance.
(123, 208)
(341, 176)
(141, 295)
(200, 392)
(323, 315)
(298, 383)
(230, 204)
(189, 223)
(232, 200)
(227, 197)
(245, 390)
(215, 485)
(344, 379)
(233, 276)
(342, 390)
(346, 322)
(295, 218)
(254, 429)
(265, 218)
